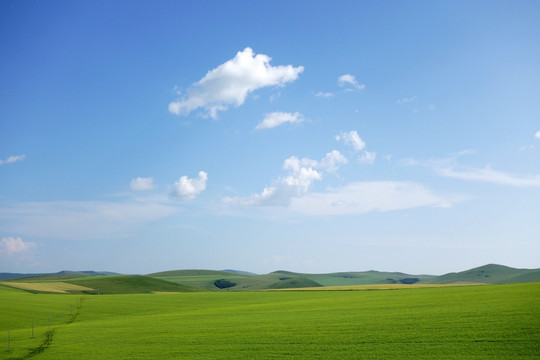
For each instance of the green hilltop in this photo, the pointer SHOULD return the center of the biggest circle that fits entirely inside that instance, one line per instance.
(490, 274)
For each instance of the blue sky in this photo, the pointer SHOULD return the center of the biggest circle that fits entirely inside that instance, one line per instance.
(140, 136)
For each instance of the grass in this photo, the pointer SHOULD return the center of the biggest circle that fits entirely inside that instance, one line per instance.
(204, 279)
(129, 284)
(467, 322)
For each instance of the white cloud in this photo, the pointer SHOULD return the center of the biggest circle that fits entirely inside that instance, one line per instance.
(231, 82)
(301, 174)
(526, 147)
(12, 159)
(368, 157)
(274, 119)
(349, 80)
(364, 197)
(80, 219)
(187, 189)
(324, 94)
(353, 139)
(406, 100)
(12, 246)
(537, 135)
(332, 160)
(491, 176)
(142, 184)
(449, 167)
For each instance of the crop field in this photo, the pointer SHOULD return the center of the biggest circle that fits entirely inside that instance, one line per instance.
(54, 287)
(374, 287)
(460, 322)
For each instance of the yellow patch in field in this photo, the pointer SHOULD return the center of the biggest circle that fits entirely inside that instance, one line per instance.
(375, 287)
(54, 287)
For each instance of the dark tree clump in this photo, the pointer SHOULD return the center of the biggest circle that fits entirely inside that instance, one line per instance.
(224, 284)
(409, 281)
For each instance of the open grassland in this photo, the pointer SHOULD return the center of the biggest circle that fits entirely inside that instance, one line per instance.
(53, 287)
(466, 322)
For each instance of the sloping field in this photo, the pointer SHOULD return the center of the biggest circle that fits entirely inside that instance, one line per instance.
(490, 274)
(52, 287)
(205, 279)
(130, 284)
(466, 322)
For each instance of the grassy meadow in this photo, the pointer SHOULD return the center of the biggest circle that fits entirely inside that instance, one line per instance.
(460, 322)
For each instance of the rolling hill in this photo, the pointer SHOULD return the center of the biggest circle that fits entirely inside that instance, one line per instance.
(232, 280)
(489, 274)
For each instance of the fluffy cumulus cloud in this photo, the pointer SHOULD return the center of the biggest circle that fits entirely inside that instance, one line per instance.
(352, 138)
(231, 82)
(301, 173)
(187, 189)
(364, 197)
(142, 184)
(12, 246)
(348, 80)
(274, 119)
(537, 135)
(12, 159)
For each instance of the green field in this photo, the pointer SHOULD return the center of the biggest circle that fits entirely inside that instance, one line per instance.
(468, 322)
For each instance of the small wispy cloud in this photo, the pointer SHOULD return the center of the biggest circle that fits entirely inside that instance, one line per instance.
(274, 119)
(537, 135)
(12, 246)
(406, 100)
(231, 82)
(187, 189)
(349, 80)
(324, 94)
(365, 197)
(142, 184)
(491, 176)
(368, 157)
(449, 167)
(352, 138)
(12, 159)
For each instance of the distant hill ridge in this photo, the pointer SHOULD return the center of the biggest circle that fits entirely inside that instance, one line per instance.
(4, 275)
(212, 280)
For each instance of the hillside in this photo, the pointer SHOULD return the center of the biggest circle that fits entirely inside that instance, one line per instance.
(61, 275)
(96, 285)
(205, 279)
(231, 280)
(130, 284)
(489, 274)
